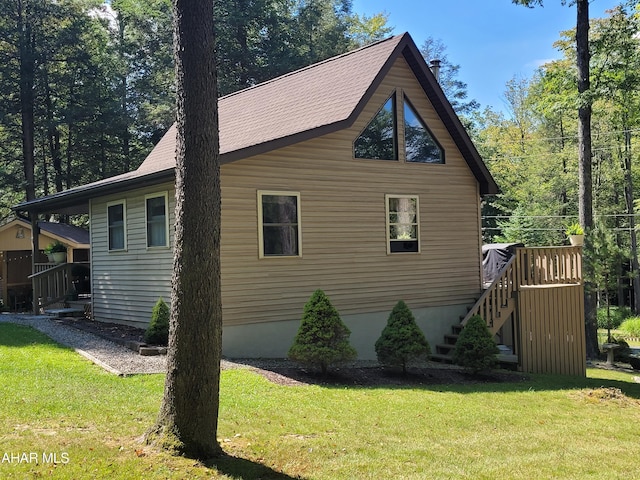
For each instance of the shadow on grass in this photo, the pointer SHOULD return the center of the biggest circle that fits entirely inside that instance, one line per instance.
(442, 379)
(15, 335)
(244, 469)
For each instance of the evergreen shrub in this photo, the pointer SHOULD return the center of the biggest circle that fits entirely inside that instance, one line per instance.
(401, 341)
(617, 314)
(158, 331)
(635, 362)
(322, 339)
(475, 349)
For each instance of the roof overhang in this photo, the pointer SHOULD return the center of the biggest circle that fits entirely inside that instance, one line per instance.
(75, 201)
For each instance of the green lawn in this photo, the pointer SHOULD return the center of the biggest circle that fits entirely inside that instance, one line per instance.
(52, 401)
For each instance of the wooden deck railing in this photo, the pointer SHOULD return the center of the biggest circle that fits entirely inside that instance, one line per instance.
(549, 266)
(528, 268)
(52, 284)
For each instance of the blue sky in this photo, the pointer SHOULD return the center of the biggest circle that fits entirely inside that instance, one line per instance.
(491, 40)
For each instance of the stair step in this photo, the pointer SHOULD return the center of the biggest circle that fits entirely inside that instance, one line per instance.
(445, 348)
(451, 338)
(66, 312)
(439, 357)
(456, 329)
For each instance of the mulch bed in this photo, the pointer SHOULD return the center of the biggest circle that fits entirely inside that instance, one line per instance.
(284, 372)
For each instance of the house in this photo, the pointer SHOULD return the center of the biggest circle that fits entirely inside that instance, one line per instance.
(16, 258)
(353, 175)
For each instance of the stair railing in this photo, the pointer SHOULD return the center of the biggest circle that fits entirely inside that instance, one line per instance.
(497, 302)
(51, 285)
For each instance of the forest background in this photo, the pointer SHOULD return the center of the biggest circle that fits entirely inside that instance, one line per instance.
(87, 89)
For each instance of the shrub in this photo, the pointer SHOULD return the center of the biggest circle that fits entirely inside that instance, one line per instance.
(618, 315)
(158, 331)
(475, 349)
(635, 362)
(631, 327)
(401, 341)
(322, 339)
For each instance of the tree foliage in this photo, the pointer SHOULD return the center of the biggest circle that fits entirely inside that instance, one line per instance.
(322, 339)
(475, 349)
(87, 88)
(157, 332)
(401, 342)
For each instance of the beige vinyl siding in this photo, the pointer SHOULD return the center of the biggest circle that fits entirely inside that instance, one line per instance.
(343, 225)
(344, 240)
(126, 284)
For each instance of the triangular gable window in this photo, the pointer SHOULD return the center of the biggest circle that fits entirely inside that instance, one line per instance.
(378, 140)
(420, 145)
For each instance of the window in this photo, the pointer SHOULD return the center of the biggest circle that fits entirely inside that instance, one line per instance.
(378, 140)
(420, 145)
(403, 226)
(117, 225)
(279, 224)
(157, 224)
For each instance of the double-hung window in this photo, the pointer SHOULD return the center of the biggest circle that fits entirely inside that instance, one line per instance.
(279, 224)
(157, 220)
(403, 225)
(117, 225)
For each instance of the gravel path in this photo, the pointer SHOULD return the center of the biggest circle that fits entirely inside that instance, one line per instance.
(110, 356)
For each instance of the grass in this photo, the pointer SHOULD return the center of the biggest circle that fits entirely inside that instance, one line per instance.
(54, 401)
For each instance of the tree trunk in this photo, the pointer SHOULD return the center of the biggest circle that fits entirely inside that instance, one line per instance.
(585, 190)
(188, 417)
(27, 75)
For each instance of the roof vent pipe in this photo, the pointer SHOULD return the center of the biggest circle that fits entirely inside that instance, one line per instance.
(435, 69)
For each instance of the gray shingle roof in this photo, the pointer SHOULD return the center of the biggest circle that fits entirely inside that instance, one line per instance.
(309, 102)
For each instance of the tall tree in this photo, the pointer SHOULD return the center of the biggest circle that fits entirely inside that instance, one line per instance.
(616, 51)
(188, 416)
(585, 189)
(453, 87)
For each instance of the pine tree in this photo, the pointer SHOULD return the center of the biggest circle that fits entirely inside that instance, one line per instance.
(322, 339)
(158, 331)
(401, 341)
(475, 349)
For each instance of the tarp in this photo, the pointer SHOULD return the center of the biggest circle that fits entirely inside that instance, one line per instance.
(494, 257)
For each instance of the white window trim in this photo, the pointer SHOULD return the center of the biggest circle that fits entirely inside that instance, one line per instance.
(388, 225)
(166, 220)
(261, 193)
(122, 202)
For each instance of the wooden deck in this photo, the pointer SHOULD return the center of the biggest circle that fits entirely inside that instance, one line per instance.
(539, 297)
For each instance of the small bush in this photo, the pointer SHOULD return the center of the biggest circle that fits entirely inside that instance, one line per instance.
(401, 341)
(618, 315)
(158, 331)
(635, 362)
(631, 327)
(475, 349)
(322, 339)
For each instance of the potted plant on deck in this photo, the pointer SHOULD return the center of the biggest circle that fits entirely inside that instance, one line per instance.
(56, 252)
(575, 232)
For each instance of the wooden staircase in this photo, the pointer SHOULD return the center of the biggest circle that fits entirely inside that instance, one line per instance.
(496, 305)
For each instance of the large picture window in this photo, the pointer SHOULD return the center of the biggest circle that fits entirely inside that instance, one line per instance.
(403, 226)
(117, 225)
(279, 224)
(157, 220)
